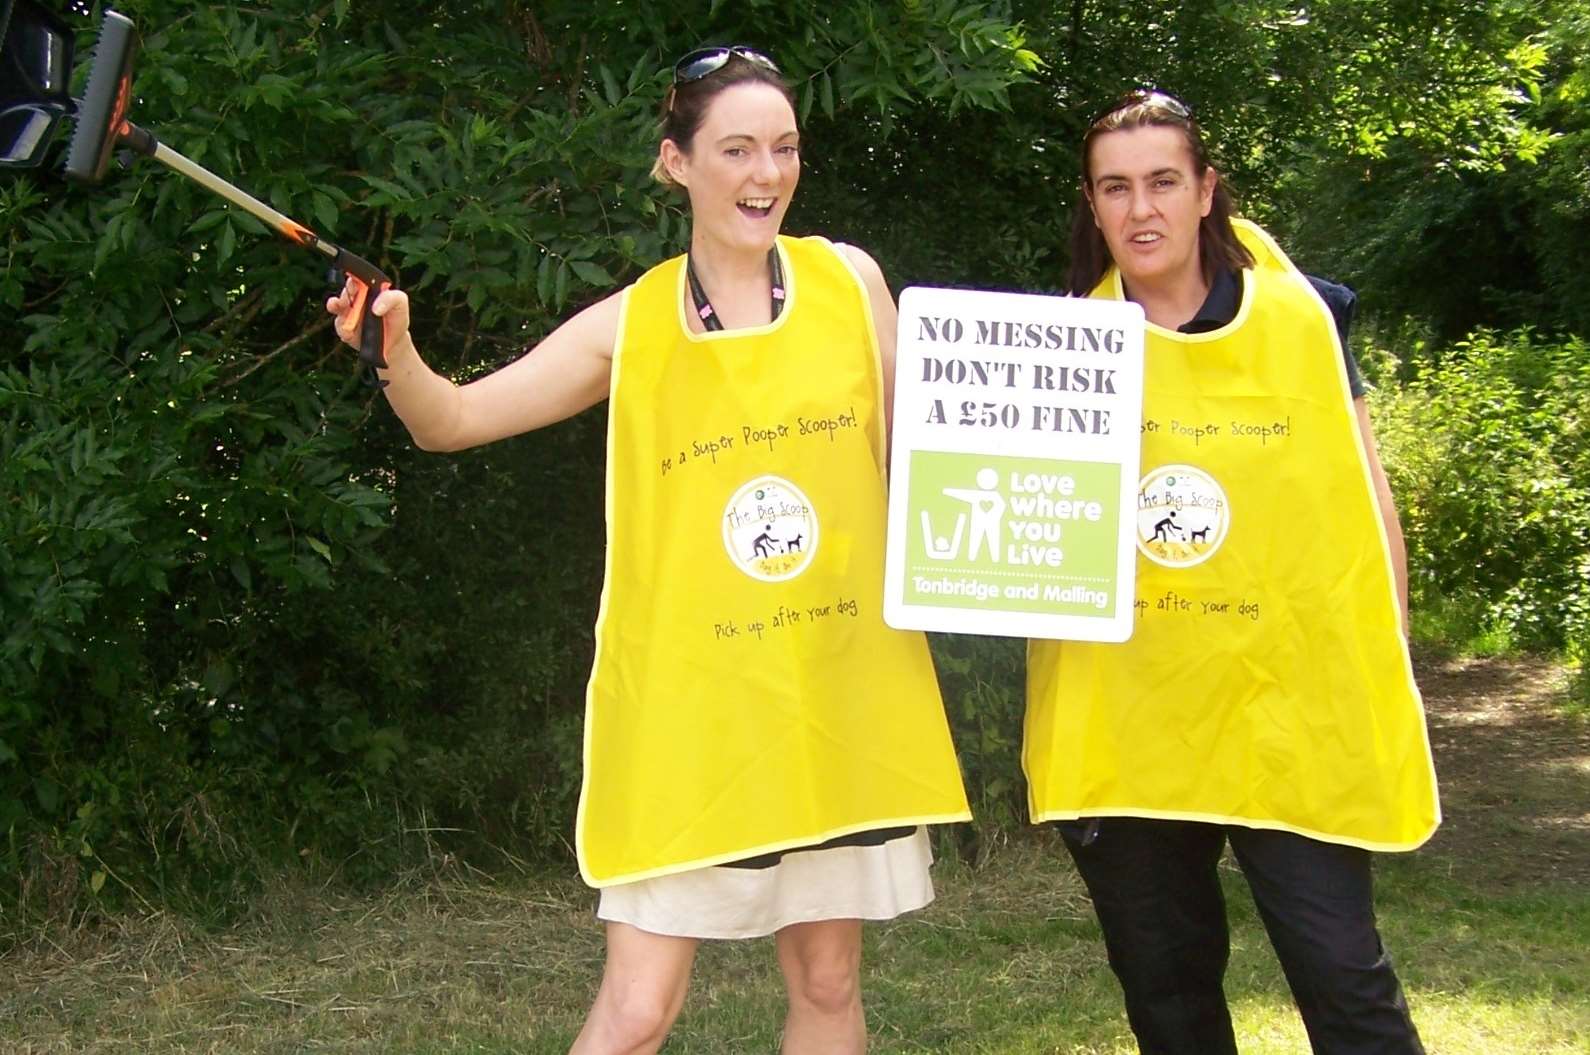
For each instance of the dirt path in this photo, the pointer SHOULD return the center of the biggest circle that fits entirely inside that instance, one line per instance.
(1514, 772)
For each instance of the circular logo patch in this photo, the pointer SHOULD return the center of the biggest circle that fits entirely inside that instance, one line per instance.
(1182, 516)
(770, 529)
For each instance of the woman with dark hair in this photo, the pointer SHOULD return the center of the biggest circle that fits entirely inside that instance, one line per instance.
(761, 751)
(1220, 251)
(1265, 699)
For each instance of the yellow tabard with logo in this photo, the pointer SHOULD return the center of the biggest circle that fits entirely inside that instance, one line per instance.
(1266, 682)
(746, 695)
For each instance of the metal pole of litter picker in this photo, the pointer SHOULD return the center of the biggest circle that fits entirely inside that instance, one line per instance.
(242, 199)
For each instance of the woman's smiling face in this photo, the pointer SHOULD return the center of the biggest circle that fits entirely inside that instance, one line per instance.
(1148, 201)
(742, 168)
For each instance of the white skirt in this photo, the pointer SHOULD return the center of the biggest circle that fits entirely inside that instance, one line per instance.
(844, 882)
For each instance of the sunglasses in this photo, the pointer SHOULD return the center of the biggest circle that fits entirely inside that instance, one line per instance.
(704, 62)
(1153, 99)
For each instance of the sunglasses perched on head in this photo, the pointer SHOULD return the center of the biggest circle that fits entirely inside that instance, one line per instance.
(704, 62)
(1151, 98)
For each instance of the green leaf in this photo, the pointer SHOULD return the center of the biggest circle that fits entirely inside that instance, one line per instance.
(591, 274)
(219, 676)
(48, 792)
(610, 86)
(213, 218)
(325, 210)
(544, 279)
(392, 190)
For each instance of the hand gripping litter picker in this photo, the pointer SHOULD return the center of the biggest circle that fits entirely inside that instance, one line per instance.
(102, 126)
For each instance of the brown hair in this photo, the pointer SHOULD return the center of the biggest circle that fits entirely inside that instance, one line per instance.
(685, 106)
(1218, 246)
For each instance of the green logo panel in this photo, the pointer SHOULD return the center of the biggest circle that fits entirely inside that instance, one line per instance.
(1012, 534)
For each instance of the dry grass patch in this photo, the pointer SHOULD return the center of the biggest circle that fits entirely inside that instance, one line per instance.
(1008, 961)
(423, 967)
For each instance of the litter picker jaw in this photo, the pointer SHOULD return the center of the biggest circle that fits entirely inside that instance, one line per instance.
(102, 127)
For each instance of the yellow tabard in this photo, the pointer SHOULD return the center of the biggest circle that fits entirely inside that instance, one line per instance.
(1266, 682)
(746, 695)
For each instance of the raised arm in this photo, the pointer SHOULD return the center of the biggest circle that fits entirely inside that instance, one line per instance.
(563, 375)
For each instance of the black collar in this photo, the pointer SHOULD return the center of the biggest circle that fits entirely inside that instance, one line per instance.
(1219, 307)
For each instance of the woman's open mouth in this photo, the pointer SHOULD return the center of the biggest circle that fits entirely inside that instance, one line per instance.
(756, 208)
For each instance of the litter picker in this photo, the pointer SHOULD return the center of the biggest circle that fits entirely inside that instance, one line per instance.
(102, 127)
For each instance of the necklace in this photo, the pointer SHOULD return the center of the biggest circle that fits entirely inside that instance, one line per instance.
(709, 317)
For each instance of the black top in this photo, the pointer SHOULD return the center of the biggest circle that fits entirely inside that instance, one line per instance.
(1225, 297)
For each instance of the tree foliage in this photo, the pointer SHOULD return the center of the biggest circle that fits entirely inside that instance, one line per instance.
(1494, 208)
(1488, 451)
(242, 618)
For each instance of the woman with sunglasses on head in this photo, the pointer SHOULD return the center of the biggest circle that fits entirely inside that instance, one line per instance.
(1265, 699)
(761, 752)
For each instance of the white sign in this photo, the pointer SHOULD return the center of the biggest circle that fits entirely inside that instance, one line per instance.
(1014, 481)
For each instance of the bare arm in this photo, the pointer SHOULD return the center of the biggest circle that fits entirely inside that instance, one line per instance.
(563, 375)
(1388, 509)
(885, 319)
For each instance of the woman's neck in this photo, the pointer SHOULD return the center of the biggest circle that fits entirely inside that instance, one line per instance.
(1169, 305)
(736, 281)
(716, 262)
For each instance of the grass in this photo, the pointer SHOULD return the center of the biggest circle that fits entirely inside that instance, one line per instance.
(1458, 628)
(1006, 961)
(1577, 700)
(1489, 926)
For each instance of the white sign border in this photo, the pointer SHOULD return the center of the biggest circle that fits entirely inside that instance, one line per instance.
(909, 400)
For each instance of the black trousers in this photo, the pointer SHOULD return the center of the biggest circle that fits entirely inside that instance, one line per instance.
(1156, 890)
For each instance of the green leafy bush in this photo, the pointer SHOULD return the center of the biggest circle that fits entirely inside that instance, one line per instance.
(242, 622)
(1488, 452)
(984, 682)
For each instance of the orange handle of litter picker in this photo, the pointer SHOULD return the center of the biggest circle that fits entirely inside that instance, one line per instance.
(368, 282)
